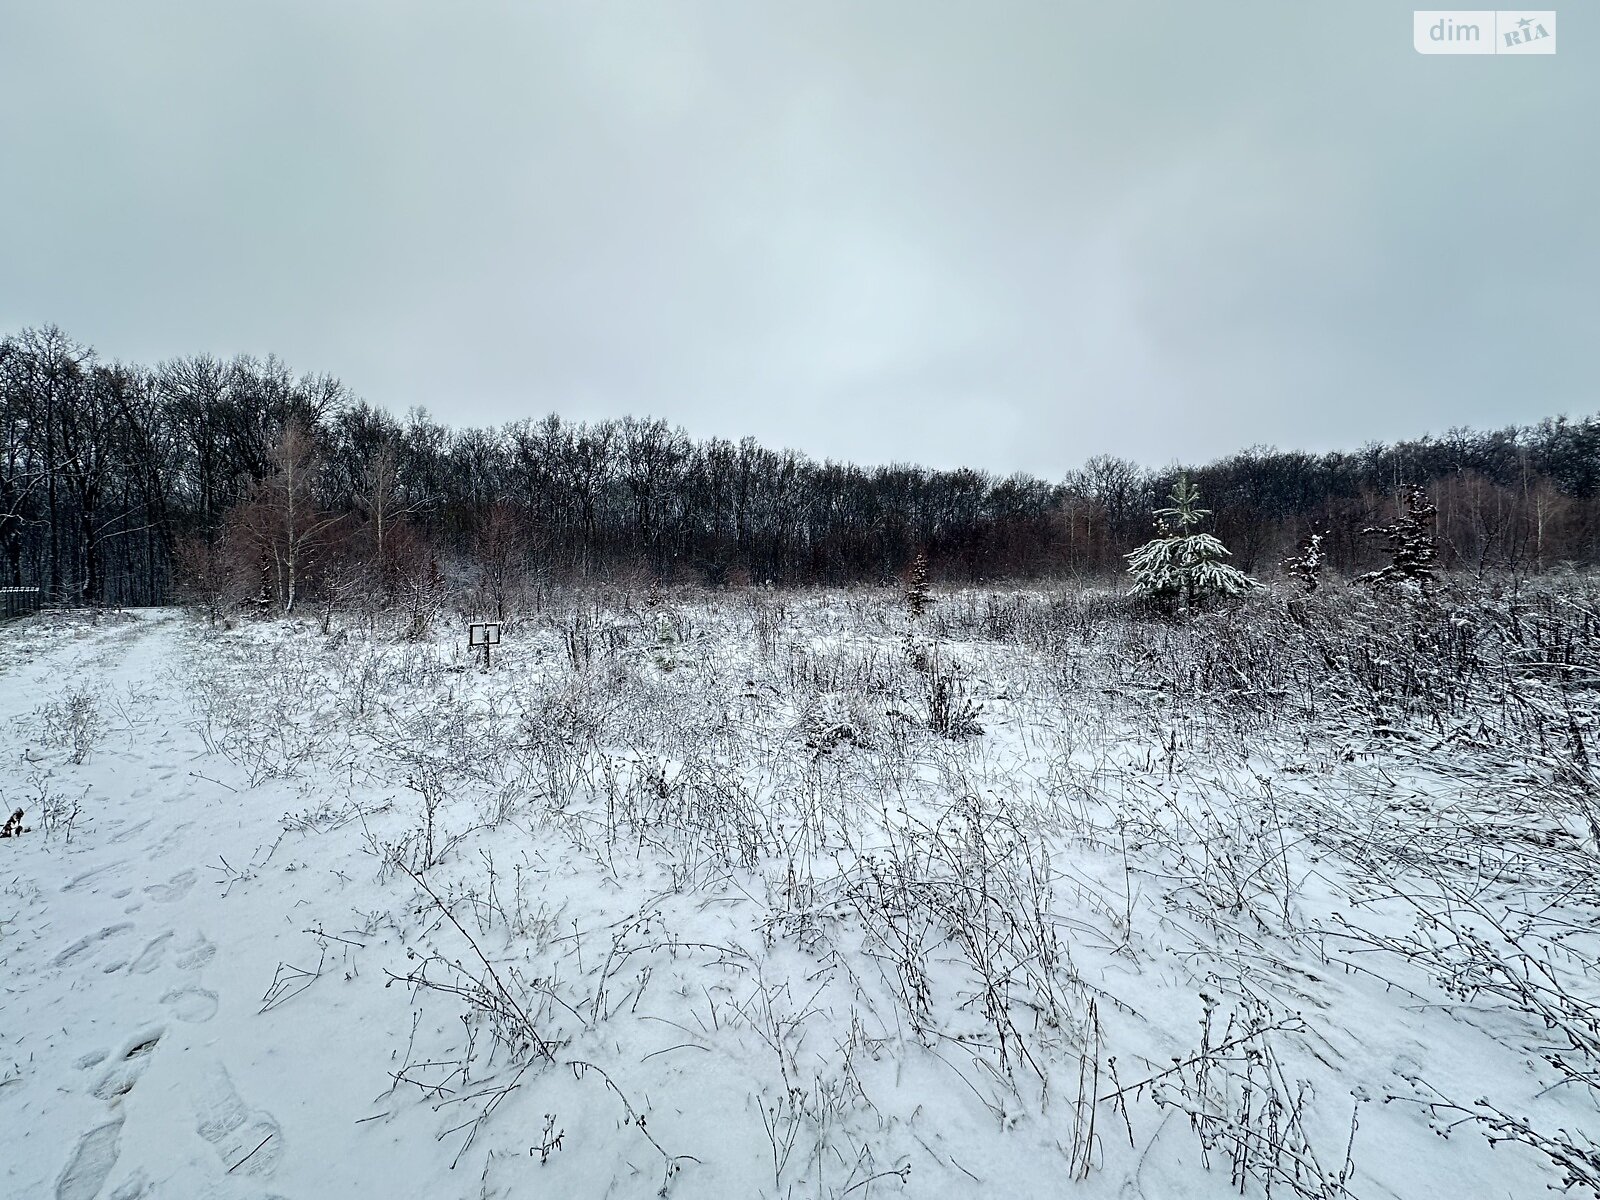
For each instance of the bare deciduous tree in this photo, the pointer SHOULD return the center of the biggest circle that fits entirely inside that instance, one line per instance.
(282, 519)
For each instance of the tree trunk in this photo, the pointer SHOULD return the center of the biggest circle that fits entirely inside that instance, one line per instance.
(91, 559)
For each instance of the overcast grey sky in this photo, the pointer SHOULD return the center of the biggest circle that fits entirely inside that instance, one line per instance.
(1000, 235)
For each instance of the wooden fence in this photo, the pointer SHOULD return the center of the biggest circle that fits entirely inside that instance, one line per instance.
(18, 602)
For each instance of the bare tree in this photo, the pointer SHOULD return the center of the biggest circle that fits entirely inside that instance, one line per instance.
(282, 519)
(499, 549)
(49, 369)
(205, 571)
(382, 502)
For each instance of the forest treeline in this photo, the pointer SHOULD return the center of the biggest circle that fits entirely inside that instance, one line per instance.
(119, 482)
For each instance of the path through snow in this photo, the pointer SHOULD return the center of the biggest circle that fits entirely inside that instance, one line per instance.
(133, 1058)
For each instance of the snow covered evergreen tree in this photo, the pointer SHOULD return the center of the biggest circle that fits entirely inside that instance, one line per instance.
(918, 598)
(1182, 566)
(1413, 551)
(1306, 564)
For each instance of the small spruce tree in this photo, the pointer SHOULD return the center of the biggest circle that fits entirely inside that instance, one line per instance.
(1306, 565)
(1412, 549)
(918, 598)
(1179, 565)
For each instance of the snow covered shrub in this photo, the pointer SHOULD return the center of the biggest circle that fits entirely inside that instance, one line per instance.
(549, 1140)
(977, 879)
(206, 573)
(833, 719)
(582, 635)
(559, 731)
(769, 618)
(998, 618)
(262, 704)
(1182, 567)
(1245, 1108)
(1363, 653)
(744, 861)
(1575, 1154)
(422, 591)
(71, 723)
(56, 813)
(918, 653)
(827, 669)
(952, 712)
(1224, 852)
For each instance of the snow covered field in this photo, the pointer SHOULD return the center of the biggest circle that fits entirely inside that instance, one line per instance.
(755, 895)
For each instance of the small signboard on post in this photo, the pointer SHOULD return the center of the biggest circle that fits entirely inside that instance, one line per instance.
(485, 634)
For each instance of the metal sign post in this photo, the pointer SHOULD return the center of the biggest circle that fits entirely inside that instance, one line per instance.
(484, 634)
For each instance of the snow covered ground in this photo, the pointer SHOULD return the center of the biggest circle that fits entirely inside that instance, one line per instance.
(757, 896)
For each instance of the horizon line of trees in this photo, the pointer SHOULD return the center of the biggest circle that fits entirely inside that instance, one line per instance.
(118, 481)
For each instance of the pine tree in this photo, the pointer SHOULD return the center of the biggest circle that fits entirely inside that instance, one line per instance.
(1182, 566)
(1412, 549)
(1306, 565)
(665, 651)
(918, 598)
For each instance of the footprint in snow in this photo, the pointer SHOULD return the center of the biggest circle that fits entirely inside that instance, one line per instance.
(135, 1187)
(92, 1160)
(88, 942)
(77, 881)
(230, 1189)
(191, 1004)
(175, 888)
(150, 957)
(248, 1142)
(134, 830)
(126, 1067)
(196, 954)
